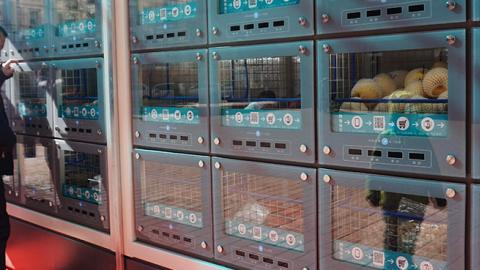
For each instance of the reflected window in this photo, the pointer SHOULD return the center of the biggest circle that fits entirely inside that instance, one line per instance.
(75, 17)
(31, 94)
(30, 19)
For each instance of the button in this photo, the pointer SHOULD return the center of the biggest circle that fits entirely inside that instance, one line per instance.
(216, 141)
(303, 148)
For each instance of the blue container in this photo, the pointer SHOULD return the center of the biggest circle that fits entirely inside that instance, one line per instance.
(353, 16)
(170, 100)
(167, 23)
(383, 103)
(240, 20)
(381, 222)
(262, 101)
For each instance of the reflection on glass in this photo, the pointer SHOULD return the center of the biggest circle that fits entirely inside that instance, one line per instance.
(169, 93)
(264, 209)
(36, 172)
(172, 193)
(31, 94)
(236, 6)
(75, 17)
(261, 92)
(386, 230)
(162, 11)
(83, 179)
(30, 19)
(79, 94)
(401, 93)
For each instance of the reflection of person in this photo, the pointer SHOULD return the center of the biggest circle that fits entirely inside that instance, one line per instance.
(7, 143)
(259, 105)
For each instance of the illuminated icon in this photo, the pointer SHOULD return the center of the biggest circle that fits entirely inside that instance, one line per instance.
(96, 197)
(290, 239)
(65, 28)
(90, 25)
(154, 114)
(156, 209)
(357, 253)
(254, 118)
(379, 123)
(180, 215)
(165, 114)
(68, 111)
(239, 117)
(163, 14)
(357, 122)
(273, 235)
(268, 2)
(187, 10)
(75, 111)
(403, 123)
(237, 4)
(428, 124)
(81, 26)
(71, 190)
(87, 195)
(378, 258)
(193, 218)
(271, 118)
(178, 115)
(252, 3)
(168, 212)
(175, 12)
(242, 229)
(402, 263)
(190, 116)
(426, 266)
(79, 192)
(257, 232)
(151, 15)
(288, 119)
(84, 112)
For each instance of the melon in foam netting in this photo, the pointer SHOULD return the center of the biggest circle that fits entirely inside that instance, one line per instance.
(440, 64)
(386, 83)
(398, 76)
(435, 82)
(415, 88)
(415, 75)
(353, 106)
(396, 107)
(367, 89)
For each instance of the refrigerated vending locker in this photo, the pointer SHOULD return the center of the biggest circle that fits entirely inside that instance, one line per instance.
(475, 108)
(240, 20)
(353, 15)
(79, 111)
(264, 215)
(32, 99)
(173, 201)
(384, 104)
(30, 30)
(83, 184)
(170, 100)
(78, 27)
(36, 162)
(167, 23)
(262, 101)
(380, 222)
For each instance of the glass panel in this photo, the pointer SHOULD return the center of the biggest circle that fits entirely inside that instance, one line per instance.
(169, 93)
(236, 6)
(381, 229)
(261, 92)
(31, 94)
(162, 11)
(75, 17)
(83, 179)
(11, 181)
(30, 19)
(173, 193)
(36, 172)
(264, 209)
(402, 93)
(79, 94)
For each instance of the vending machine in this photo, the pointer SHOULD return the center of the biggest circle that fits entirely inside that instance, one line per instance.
(264, 215)
(79, 111)
(240, 20)
(384, 104)
(262, 101)
(77, 27)
(167, 23)
(173, 201)
(36, 163)
(170, 100)
(32, 99)
(353, 15)
(381, 222)
(83, 184)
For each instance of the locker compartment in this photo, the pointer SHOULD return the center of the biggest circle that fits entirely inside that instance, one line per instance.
(167, 23)
(379, 222)
(79, 97)
(77, 27)
(170, 100)
(173, 201)
(240, 20)
(384, 103)
(262, 101)
(83, 184)
(37, 170)
(29, 29)
(32, 99)
(476, 108)
(354, 15)
(264, 215)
